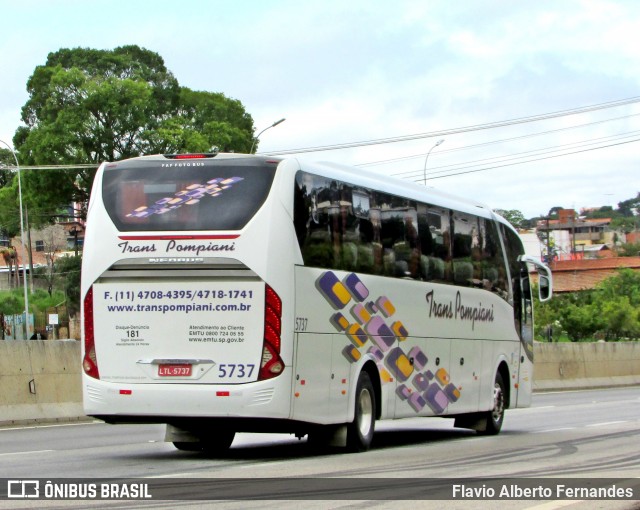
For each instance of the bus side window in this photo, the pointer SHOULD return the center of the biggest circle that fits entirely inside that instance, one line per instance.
(433, 234)
(494, 274)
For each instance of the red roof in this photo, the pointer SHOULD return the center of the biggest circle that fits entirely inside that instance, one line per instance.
(575, 275)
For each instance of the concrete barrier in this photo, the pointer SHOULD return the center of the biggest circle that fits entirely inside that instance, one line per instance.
(40, 380)
(585, 365)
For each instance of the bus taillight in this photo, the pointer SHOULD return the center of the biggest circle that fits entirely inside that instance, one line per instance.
(90, 361)
(203, 155)
(272, 365)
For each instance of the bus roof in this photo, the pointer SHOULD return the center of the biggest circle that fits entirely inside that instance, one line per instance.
(358, 176)
(395, 186)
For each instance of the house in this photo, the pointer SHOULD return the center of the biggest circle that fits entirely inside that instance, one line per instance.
(47, 244)
(571, 237)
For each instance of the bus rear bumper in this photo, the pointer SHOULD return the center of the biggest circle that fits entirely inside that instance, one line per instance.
(162, 403)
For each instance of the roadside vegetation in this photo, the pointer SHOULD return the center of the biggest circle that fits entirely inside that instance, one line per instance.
(610, 312)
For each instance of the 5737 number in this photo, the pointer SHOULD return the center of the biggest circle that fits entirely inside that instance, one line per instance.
(237, 370)
(301, 324)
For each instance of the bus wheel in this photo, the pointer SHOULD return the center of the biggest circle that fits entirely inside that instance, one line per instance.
(495, 417)
(219, 443)
(192, 446)
(360, 430)
(209, 446)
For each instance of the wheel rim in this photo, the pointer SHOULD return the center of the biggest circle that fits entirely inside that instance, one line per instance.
(365, 417)
(498, 403)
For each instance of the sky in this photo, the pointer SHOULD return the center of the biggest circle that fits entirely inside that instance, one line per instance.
(560, 79)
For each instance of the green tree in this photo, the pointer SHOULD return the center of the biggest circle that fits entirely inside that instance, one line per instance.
(630, 207)
(6, 162)
(11, 302)
(553, 212)
(621, 319)
(629, 250)
(9, 210)
(513, 216)
(579, 320)
(87, 106)
(68, 271)
(625, 283)
(610, 311)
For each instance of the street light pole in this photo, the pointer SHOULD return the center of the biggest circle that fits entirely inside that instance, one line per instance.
(255, 139)
(24, 247)
(427, 158)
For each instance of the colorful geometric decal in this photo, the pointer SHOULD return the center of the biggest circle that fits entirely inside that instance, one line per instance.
(368, 331)
(380, 333)
(420, 359)
(333, 290)
(399, 364)
(436, 398)
(356, 287)
(357, 336)
(188, 196)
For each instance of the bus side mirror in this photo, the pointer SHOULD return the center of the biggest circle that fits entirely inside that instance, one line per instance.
(544, 289)
(545, 280)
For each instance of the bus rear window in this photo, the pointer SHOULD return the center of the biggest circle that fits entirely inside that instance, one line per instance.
(167, 195)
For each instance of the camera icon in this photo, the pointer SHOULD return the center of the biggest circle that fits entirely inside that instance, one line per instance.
(23, 489)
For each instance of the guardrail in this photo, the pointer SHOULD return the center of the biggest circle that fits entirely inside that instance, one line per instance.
(40, 380)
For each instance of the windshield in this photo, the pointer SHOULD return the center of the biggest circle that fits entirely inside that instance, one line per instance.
(199, 194)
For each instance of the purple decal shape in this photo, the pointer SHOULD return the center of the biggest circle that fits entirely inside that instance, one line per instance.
(371, 308)
(339, 321)
(385, 306)
(376, 352)
(333, 290)
(436, 399)
(188, 196)
(399, 330)
(403, 392)
(380, 333)
(356, 335)
(452, 393)
(420, 360)
(398, 364)
(357, 289)
(429, 375)
(351, 353)
(420, 382)
(360, 314)
(417, 402)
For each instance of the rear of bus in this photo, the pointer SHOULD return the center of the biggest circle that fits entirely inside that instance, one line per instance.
(182, 311)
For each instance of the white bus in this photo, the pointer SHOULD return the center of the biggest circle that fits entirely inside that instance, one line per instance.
(227, 293)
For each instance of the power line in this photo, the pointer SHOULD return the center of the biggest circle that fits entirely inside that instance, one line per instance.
(446, 132)
(520, 155)
(527, 161)
(503, 140)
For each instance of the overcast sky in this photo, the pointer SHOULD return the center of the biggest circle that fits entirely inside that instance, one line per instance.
(358, 71)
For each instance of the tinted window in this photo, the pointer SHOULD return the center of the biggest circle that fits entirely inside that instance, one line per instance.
(341, 226)
(170, 195)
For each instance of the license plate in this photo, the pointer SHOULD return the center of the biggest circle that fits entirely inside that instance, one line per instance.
(174, 370)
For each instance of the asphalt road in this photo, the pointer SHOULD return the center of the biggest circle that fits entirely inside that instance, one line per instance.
(588, 435)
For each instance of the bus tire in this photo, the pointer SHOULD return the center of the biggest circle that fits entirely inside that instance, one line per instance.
(360, 431)
(210, 446)
(219, 443)
(187, 446)
(495, 417)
